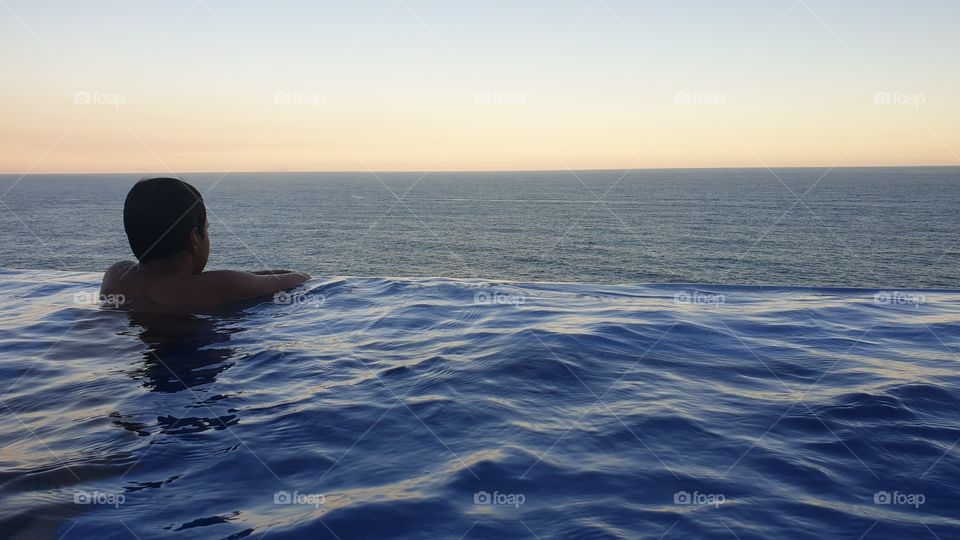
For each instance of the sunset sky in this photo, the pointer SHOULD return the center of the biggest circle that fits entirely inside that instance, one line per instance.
(218, 85)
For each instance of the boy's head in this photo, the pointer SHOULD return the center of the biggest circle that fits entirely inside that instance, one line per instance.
(165, 217)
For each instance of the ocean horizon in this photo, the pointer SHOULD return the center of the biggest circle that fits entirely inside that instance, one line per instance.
(822, 227)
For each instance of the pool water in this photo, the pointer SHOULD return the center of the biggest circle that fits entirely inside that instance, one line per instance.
(463, 408)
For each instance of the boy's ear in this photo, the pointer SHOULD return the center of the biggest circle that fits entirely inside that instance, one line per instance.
(194, 242)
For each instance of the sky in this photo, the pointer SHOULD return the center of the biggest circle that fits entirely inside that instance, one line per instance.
(413, 85)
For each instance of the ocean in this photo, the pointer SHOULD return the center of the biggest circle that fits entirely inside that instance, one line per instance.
(815, 227)
(661, 354)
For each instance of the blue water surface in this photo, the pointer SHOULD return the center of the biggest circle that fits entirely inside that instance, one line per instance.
(446, 408)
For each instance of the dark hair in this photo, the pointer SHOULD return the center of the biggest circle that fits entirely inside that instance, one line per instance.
(159, 214)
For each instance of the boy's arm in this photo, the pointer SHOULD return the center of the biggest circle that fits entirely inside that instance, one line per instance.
(271, 272)
(226, 286)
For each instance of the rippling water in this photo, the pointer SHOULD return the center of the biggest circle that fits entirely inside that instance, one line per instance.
(442, 408)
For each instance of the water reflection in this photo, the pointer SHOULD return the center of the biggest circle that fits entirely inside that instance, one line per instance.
(183, 350)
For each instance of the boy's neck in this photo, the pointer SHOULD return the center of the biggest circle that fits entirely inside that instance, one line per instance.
(176, 264)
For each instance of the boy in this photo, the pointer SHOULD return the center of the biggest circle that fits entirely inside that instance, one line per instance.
(166, 224)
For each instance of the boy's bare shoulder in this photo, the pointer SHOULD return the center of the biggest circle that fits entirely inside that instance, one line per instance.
(113, 276)
(119, 268)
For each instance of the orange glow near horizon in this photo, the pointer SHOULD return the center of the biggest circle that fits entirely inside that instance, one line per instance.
(616, 93)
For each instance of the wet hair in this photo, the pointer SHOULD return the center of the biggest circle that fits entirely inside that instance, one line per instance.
(159, 214)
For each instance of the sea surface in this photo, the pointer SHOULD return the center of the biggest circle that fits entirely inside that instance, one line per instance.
(688, 354)
(881, 227)
(446, 408)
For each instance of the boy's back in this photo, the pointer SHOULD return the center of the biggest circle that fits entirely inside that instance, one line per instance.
(166, 224)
